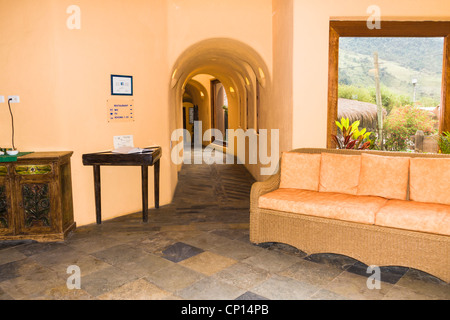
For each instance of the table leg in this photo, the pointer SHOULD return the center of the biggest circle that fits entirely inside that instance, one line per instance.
(144, 170)
(98, 200)
(156, 174)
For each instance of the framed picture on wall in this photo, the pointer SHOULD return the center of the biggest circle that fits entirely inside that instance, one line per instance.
(121, 85)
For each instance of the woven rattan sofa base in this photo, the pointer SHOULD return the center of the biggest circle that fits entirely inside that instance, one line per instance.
(370, 244)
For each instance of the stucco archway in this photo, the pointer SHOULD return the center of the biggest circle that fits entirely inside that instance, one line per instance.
(241, 70)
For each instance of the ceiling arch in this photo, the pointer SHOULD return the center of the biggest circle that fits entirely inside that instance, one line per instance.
(223, 58)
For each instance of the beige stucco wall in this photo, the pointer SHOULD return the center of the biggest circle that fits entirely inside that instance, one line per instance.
(191, 21)
(63, 79)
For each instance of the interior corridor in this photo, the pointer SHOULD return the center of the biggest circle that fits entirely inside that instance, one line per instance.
(196, 248)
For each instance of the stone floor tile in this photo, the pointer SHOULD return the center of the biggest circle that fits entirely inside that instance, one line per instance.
(179, 236)
(210, 287)
(36, 247)
(4, 295)
(17, 269)
(5, 244)
(424, 284)
(156, 243)
(243, 275)
(62, 254)
(312, 273)
(271, 261)
(178, 228)
(237, 250)
(399, 293)
(10, 255)
(208, 263)
(234, 232)
(180, 251)
(91, 245)
(174, 278)
(139, 289)
(207, 241)
(105, 280)
(33, 282)
(144, 265)
(284, 288)
(323, 294)
(129, 236)
(119, 254)
(250, 296)
(88, 264)
(62, 293)
(354, 287)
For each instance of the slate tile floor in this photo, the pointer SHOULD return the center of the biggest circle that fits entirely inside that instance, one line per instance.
(195, 248)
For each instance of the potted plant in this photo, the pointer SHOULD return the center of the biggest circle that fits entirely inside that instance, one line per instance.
(444, 142)
(351, 137)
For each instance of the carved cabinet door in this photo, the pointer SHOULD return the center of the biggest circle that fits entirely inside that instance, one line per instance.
(6, 216)
(36, 205)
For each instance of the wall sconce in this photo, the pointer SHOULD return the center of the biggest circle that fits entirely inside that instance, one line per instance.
(262, 78)
(261, 73)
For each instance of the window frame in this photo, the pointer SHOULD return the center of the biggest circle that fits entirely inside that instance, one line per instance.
(341, 28)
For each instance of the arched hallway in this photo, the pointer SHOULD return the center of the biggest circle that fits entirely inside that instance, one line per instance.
(228, 84)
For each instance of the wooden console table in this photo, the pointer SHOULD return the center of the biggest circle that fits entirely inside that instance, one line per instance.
(36, 197)
(144, 160)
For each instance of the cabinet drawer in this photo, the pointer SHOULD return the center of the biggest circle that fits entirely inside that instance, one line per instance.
(27, 170)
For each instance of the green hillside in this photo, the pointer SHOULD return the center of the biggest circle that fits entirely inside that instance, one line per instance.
(401, 60)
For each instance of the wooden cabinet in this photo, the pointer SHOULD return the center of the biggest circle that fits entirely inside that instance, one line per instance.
(6, 224)
(36, 197)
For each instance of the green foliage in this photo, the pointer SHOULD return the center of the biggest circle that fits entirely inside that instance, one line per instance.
(414, 53)
(402, 123)
(428, 102)
(352, 137)
(389, 99)
(355, 93)
(444, 142)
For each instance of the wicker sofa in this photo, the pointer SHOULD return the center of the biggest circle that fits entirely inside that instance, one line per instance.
(383, 209)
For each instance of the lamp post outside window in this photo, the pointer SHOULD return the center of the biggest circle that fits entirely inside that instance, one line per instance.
(414, 82)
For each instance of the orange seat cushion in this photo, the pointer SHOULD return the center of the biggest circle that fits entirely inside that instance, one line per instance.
(339, 206)
(415, 216)
(300, 171)
(339, 173)
(430, 180)
(384, 176)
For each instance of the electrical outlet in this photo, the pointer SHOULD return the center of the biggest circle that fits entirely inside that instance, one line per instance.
(2, 99)
(15, 99)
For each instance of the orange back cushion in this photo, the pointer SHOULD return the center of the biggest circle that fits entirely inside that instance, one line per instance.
(384, 176)
(300, 171)
(430, 180)
(339, 173)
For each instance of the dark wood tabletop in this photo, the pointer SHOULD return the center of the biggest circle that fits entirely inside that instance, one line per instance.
(109, 158)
